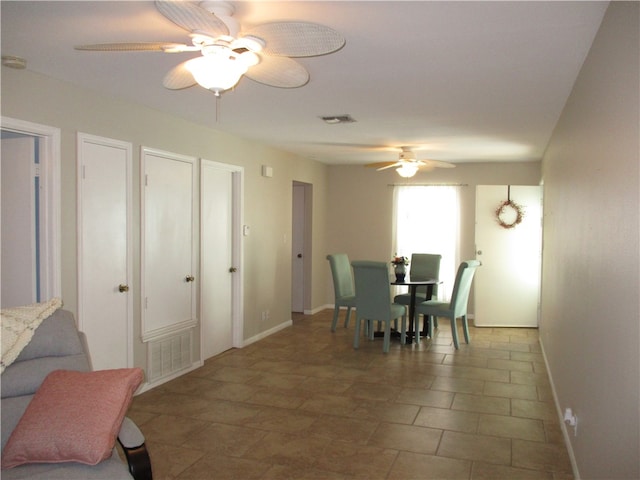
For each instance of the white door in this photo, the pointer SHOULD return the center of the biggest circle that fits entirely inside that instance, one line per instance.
(217, 267)
(105, 310)
(19, 266)
(168, 257)
(297, 248)
(507, 285)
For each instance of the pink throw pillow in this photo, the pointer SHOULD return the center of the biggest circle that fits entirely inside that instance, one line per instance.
(73, 417)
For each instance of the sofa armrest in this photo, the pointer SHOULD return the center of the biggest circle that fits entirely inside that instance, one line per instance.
(135, 451)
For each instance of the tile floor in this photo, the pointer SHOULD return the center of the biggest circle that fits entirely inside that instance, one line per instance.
(303, 404)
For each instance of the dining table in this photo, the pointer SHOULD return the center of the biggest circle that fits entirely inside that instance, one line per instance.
(413, 285)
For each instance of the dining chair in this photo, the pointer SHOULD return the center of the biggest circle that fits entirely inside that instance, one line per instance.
(373, 302)
(343, 288)
(457, 307)
(423, 266)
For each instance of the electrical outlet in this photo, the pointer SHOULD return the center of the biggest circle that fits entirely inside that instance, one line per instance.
(571, 420)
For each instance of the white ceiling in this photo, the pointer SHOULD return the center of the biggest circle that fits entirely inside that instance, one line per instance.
(464, 81)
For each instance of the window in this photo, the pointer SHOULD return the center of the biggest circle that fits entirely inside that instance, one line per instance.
(427, 221)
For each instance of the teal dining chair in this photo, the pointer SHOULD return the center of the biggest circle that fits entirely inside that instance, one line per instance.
(343, 288)
(457, 307)
(373, 302)
(423, 266)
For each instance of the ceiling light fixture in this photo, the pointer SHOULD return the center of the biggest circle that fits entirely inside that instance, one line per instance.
(220, 68)
(407, 170)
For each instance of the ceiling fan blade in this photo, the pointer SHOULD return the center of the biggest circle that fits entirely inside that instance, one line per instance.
(298, 39)
(437, 163)
(383, 165)
(136, 47)
(178, 77)
(192, 18)
(280, 72)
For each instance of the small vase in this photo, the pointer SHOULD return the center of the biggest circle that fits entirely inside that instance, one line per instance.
(400, 271)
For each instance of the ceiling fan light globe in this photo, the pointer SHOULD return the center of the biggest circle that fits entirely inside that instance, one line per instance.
(216, 72)
(407, 171)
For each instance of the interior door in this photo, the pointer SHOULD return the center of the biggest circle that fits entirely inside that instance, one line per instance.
(19, 222)
(507, 285)
(297, 248)
(105, 310)
(217, 267)
(169, 226)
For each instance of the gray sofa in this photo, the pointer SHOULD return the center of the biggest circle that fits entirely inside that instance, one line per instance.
(58, 345)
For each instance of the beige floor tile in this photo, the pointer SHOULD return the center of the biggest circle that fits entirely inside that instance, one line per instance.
(287, 472)
(406, 437)
(510, 390)
(458, 385)
(232, 413)
(357, 461)
(481, 404)
(345, 429)
(427, 398)
(468, 446)
(511, 427)
(446, 419)
(488, 471)
(510, 365)
(229, 440)
(277, 448)
(414, 466)
(172, 430)
(281, 420)
(220, 467)
(540, 456)
(386, 412)
(533, 409)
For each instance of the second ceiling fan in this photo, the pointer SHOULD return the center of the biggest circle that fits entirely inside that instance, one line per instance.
(408, 165)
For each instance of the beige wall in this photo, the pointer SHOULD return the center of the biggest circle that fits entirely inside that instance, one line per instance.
(267, 201)
(361, 205)
(590, 324)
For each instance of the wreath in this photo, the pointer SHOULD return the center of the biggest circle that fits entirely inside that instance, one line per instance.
(505, 212)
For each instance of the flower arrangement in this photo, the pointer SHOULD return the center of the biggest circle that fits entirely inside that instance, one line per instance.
(398, 260)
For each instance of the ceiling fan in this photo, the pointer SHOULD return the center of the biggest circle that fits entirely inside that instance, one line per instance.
(408, 165)
(263, 53)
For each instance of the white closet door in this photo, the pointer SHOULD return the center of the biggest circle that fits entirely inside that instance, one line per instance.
(168, 245)
(216, 258)
(105, 311)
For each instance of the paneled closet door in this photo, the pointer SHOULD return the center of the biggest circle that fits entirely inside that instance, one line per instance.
(105, 310)
(168, 257)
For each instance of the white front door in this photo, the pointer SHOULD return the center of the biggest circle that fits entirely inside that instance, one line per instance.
(217, 266)
(507, 285)
(19, 222)
(105, 309)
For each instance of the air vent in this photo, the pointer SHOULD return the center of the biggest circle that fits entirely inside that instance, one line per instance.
(169, 355)
(333, 119)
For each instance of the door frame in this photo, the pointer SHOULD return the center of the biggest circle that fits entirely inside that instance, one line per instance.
(50, 223)
(237, 254)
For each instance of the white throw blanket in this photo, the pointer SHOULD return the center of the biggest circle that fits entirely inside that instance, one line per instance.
(18, 325)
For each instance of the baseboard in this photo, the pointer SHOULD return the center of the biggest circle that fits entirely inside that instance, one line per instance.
(266, 333)
(563, 425)
(318, 309)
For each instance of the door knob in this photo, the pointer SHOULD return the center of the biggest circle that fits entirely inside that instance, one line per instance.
(479, 252)
(233, 269)
(123, 288)
(299, 255)
(190, 278)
